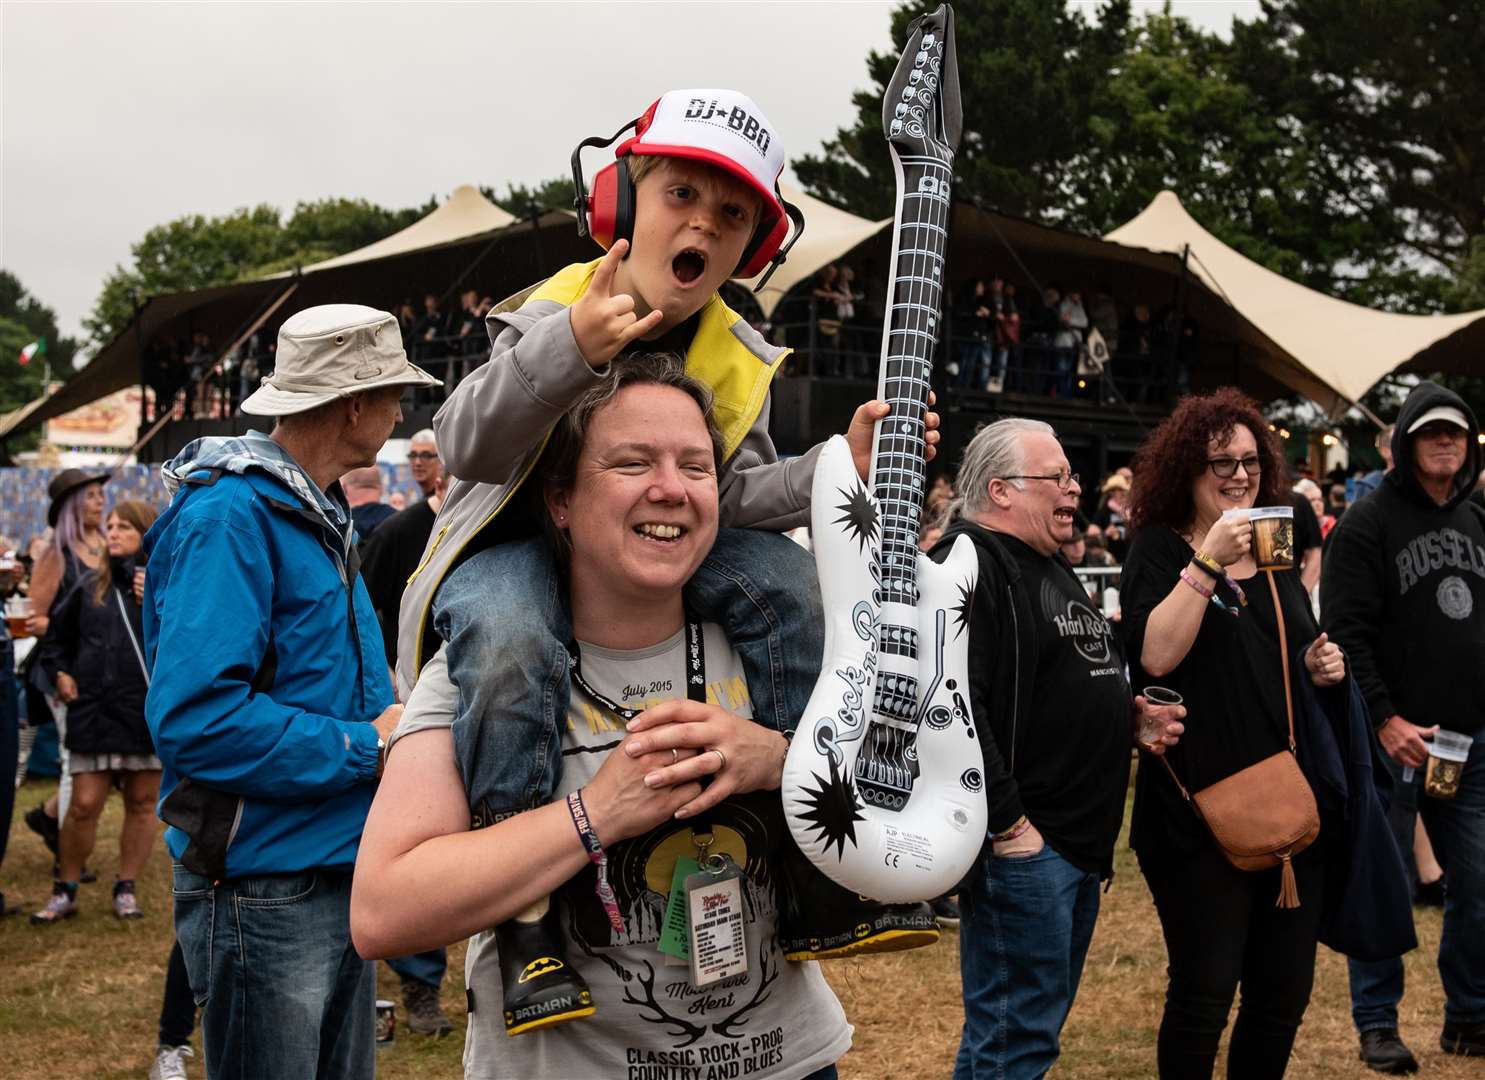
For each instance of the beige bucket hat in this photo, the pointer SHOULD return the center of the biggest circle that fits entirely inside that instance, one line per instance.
(334, 351)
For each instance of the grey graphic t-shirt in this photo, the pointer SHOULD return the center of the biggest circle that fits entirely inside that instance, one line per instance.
(779, 1020)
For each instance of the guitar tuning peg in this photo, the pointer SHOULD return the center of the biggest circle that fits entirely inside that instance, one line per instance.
(901, 109)
(896, 128)
(915, 77)
(907, 93)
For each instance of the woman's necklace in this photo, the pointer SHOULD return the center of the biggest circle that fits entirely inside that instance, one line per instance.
(94, 549)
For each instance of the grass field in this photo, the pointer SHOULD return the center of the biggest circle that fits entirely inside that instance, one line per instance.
(82, 999)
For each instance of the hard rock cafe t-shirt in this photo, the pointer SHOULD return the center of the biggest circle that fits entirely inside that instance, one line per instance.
(779, 1020)
(1072, 767)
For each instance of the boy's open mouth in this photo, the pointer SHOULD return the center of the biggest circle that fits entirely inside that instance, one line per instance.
(688, 266)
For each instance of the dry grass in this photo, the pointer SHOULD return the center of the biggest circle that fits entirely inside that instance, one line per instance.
(82, 999)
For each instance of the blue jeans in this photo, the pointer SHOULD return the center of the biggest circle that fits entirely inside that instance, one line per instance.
(1456, 827)
(425, 967)
(1064, 360)
(271, 964)
(505, 616)
(975, 361)
(1024, 936)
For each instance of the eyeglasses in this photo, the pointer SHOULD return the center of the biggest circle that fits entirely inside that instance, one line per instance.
(429, 455)
(1224, 467)
(1065, 480)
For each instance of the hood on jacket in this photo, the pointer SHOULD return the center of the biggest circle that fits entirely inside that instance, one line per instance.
(240, 454)
(256, 452)
(1426, 396)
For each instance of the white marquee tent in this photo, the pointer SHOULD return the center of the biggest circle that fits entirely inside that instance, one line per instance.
(1347, 346)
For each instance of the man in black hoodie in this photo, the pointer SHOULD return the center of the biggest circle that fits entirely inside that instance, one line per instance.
(1048, 688)
(1403, 592)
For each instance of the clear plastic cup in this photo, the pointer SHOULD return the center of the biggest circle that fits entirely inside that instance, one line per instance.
(1447, 754)
(1150, 725)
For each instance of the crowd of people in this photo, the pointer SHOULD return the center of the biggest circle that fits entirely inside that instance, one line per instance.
(1059, 342)
(546, 707)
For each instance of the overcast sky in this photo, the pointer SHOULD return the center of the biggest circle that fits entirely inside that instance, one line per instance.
(117, 117)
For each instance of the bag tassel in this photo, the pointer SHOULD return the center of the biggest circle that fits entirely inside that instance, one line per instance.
(1288, 886)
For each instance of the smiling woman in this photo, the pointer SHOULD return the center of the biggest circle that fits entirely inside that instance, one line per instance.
(664, 774)
(1199, 619)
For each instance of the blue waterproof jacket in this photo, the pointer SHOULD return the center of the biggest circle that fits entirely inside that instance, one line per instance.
(267, 665)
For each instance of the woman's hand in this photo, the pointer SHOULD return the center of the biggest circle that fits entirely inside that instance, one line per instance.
(1325, 662)
(66, 688)
(739, 755)
(1228, 540)
(622, 804)
(139, 585)
(36, 625)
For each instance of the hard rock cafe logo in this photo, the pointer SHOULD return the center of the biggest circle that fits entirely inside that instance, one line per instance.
(1087, 629)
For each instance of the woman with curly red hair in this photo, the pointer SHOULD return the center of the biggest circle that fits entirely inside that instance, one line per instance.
(1198, 619)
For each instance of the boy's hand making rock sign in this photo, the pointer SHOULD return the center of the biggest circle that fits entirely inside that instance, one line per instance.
(603, 321)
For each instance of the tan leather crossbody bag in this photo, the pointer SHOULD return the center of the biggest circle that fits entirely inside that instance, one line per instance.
(1264, 815)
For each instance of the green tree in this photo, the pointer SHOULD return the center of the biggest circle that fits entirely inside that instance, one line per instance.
(1382, 100)
(195, 251)
(191, 252)
(1029, 73)
(553, 194)
(24, 319)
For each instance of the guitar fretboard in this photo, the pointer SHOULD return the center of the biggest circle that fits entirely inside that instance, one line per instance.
(912, 332)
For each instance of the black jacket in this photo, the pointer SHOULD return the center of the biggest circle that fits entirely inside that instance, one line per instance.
(92, 643)
(1368, 908)
(388, 558)
(1003, 645)
(1402, 587)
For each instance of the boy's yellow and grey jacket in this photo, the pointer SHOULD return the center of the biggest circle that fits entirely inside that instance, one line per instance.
(493, 427)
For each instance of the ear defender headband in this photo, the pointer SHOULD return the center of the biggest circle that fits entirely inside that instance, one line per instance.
(606, 213)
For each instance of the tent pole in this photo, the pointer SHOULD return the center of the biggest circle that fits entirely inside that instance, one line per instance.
(254, 326)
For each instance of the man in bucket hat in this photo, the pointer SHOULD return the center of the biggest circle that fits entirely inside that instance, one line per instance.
(270, 702)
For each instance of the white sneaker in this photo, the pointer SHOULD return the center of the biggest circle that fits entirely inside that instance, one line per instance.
(168, 1064)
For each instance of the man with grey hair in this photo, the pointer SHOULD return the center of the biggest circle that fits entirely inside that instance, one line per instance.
(394, 551)
(1048, 688)
(424, 462)
(270, 702)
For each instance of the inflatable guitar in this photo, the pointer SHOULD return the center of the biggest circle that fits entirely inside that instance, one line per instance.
(882, 786)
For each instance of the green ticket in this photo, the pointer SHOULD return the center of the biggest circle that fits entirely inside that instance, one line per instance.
(674, 938)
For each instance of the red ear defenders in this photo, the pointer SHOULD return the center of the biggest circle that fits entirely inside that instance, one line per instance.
(606, 213)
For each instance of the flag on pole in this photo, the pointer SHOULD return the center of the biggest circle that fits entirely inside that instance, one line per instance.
(36, 348)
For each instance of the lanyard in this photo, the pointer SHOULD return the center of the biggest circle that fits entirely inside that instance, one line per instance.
(696, 691)
(695, 672)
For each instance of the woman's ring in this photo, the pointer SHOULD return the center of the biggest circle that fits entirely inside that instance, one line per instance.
(721, 757)
(675, 755)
